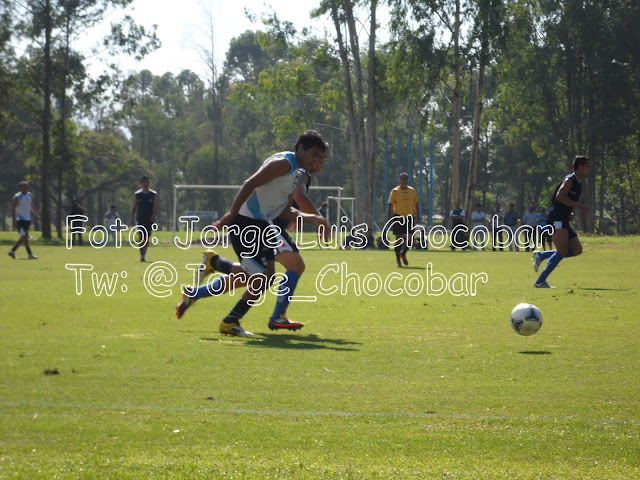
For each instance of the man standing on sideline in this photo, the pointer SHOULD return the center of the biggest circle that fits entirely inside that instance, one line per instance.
(110, 219)
(403, 203)
(457, 219)
(497, 218)
(479, 229)
(21, 210)
(511, 221)
(530, 219)
(76, 210)
(564, 200)
(143, 211)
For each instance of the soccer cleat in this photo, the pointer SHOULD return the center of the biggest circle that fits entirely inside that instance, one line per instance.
(536, 261)
(283, 323)
(32, 257)
(12, 254)
(404, 258)
(543, 285)
(234, 329)
(184, 304)
(207, 259)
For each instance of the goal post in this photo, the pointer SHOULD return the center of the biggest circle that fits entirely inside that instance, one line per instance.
(176, 187)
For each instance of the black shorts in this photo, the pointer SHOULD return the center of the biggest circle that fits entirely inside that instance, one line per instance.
(561, 222)
(148, 228)
(23, 227)
(400, 227)
(257, 242)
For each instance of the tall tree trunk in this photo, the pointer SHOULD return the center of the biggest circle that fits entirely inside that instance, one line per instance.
(351, 110)
(362, 153)
(475, 147)
(455, 132)
(371, 125)
(601, 194)
(46, 126)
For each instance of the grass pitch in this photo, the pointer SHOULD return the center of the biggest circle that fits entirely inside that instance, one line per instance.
(108, 384)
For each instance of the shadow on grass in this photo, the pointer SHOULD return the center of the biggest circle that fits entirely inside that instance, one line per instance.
(411, 267)
(293, 341)
(535, 352)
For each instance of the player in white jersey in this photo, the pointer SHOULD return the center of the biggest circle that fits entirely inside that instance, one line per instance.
(21, 209)
(263, 196)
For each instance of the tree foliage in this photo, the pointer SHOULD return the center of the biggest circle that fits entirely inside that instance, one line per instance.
(510, 91)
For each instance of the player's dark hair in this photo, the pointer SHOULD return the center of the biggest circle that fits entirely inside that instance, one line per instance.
(144, 177)
(579, 161)
(312, 138)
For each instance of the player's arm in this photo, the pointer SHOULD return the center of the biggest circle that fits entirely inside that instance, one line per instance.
(308, 210)
(34, 210)
(563, 196)
(273, 170)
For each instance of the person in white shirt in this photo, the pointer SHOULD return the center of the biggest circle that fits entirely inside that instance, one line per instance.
(497, 219)
(530, 218)
(479, 230)
(110, 221)
(21, 209)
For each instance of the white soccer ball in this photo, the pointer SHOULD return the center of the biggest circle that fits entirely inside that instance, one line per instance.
(526, 319)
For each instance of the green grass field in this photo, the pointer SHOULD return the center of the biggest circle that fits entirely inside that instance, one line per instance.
(99, 386)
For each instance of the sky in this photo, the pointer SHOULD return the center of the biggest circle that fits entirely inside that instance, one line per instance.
(184, 24)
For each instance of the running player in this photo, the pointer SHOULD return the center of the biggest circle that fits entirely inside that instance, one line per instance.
(564, 200)
(403, 202)
(21, 210)
(263, 197)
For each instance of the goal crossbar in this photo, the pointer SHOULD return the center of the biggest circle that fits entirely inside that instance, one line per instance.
(177, 187)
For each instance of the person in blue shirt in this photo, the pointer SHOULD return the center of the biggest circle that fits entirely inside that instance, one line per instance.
(565, 199)
(143, 212)
(21, 210)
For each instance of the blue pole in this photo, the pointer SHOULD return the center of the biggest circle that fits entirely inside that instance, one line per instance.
(409, 159)
(386, 174)
(375, 208)
(420, 177)
(431, 162)
(398, 153)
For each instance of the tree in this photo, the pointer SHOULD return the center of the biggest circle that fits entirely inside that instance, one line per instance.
(58, 27)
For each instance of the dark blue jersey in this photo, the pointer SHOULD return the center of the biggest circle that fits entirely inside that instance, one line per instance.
(145, 206)
(560, 210)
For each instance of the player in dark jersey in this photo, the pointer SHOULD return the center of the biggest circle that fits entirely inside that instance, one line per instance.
(143, 211)
(564, 200)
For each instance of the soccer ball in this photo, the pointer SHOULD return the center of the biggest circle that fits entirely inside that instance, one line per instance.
(526, 319)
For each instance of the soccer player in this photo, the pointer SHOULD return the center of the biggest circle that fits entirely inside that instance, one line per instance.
(403, 202)
(21, 209)
(564, 200)
(264, 196)
(143, 211)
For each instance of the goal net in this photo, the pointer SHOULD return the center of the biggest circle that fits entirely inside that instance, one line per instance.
(210, 202)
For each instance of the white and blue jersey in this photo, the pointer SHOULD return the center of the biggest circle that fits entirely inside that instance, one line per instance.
(23, 209)
(269, 200)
